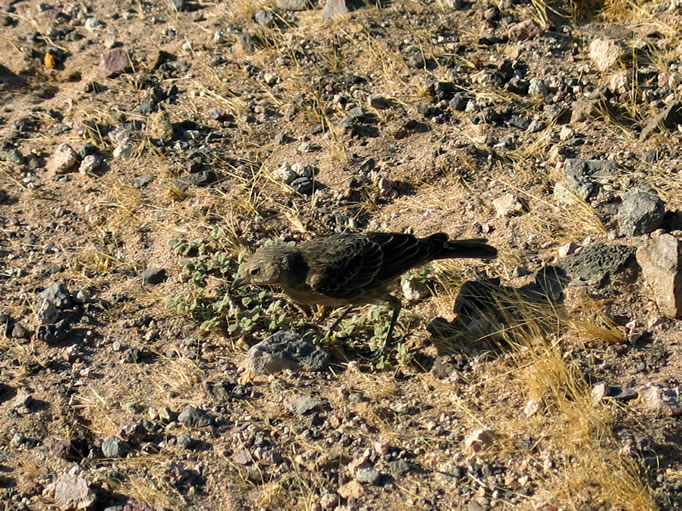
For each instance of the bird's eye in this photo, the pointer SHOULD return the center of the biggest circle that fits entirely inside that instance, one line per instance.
(254, 271)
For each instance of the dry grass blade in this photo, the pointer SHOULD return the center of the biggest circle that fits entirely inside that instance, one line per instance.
(591, 467)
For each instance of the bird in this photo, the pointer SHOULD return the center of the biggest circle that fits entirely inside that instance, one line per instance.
(351, 269)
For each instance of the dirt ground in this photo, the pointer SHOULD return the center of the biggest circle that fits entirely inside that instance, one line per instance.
(197, 131)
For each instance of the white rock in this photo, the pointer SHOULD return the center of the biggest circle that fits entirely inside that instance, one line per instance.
(508, 205)
(284, 173)
(119, 137)
(599, 391)
(89, 163)
(93, 24)
(123, 152)
(480, 439)
(414, 290)
(620, 82)
(662, 400)
(567, 249)
(606, 52)
(270, 79)
(62, 160)
(565, 133)
(532, 407)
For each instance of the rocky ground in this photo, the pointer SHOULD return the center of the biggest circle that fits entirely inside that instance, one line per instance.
(147, 147)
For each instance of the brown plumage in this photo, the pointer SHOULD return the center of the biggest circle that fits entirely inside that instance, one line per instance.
(352, 269)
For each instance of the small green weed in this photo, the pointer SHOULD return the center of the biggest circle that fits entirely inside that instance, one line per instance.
(240, 312)
(362, 330)
(235, 312)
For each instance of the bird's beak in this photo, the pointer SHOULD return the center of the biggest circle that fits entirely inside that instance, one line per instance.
(239, 281)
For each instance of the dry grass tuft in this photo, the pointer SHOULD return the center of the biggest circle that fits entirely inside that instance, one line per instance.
(180, 375)
(97, 412)
(587, 467)
(148, 483)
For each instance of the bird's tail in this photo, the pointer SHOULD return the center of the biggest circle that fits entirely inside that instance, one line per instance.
(476, 248)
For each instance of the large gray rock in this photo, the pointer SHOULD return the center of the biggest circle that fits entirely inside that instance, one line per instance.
(368, 475)
(333, 8)
(661, 262)
(294, 5)
(57, 294)
(52, 301)
(286, 350)
(114, 447)
(192, 417)
(640, 213)
(581, 176)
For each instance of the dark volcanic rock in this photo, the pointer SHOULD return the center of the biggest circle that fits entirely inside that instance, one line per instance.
(194, 417)
(595, 262)
(669, 118)
(12, 155)
(640, 213)
(54, 332)
(153, 276)
(581, 176)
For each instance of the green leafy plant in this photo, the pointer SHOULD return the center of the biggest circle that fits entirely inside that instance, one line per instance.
(242, 311)
(236, 312)
(369, 330)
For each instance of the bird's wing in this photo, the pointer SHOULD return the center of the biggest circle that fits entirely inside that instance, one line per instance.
(404, 252)
(344, 266)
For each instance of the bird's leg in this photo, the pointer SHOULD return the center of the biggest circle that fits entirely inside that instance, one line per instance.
(306, 310)
(321, 312)
(396, 305)
(338, 320)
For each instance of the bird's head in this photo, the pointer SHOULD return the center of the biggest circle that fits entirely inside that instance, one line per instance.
(265, 266)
